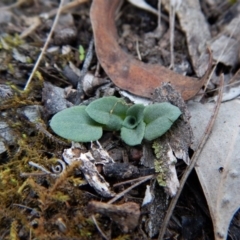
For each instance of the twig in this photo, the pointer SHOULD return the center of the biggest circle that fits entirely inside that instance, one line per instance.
(193, 162)
(45, 45)
(130, 188)
(159, 15)
(128, 181)
(174, 6)
(96, 74)
(14, 5)
(98, 228)
(43, 169)
(227, 85)
(37, 174)
(138, 52)
(22, 206)
(172, 23)
(65, 8)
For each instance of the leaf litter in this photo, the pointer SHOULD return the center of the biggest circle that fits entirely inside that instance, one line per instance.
(218, 167)
(31, 142)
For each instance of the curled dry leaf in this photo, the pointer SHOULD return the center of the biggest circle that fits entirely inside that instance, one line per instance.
(125, 71)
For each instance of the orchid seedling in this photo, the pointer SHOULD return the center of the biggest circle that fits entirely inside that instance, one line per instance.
(135, 122)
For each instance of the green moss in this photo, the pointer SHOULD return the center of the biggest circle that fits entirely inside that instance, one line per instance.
(123, 237)
(157, 149)
(160, 164)
(162, 173)
(11, 68)
(61, 197)
(13, 41)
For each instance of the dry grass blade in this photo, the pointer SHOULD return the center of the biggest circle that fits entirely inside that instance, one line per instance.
(59, 10)
(45, 45)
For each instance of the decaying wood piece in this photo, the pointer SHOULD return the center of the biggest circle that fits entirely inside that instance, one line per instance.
(126, 72)
(88, 168)
(125, 215)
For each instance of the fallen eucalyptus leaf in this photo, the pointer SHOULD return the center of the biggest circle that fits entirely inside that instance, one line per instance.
(125, 71)
(218, 168)
(200, 115)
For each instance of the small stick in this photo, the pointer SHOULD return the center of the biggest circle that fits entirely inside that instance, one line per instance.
(14, 5)
(174, 5)
(159, 15)
(38, 174)
(172, 23)
(128, 181)
(66, 7)
(96, 74)
(98, 228)
(43, 169)
(138, 52)
(193, 162)
(130, 188)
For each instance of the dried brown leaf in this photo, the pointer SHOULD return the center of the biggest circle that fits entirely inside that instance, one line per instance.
(125, 71)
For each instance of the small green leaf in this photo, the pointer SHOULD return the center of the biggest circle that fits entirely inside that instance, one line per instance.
(159, 117)
(81, 53)
(134, 136)
(75, 124)
(134, 116)
(109, 111)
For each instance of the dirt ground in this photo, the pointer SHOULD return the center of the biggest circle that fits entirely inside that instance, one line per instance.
(43, 197)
